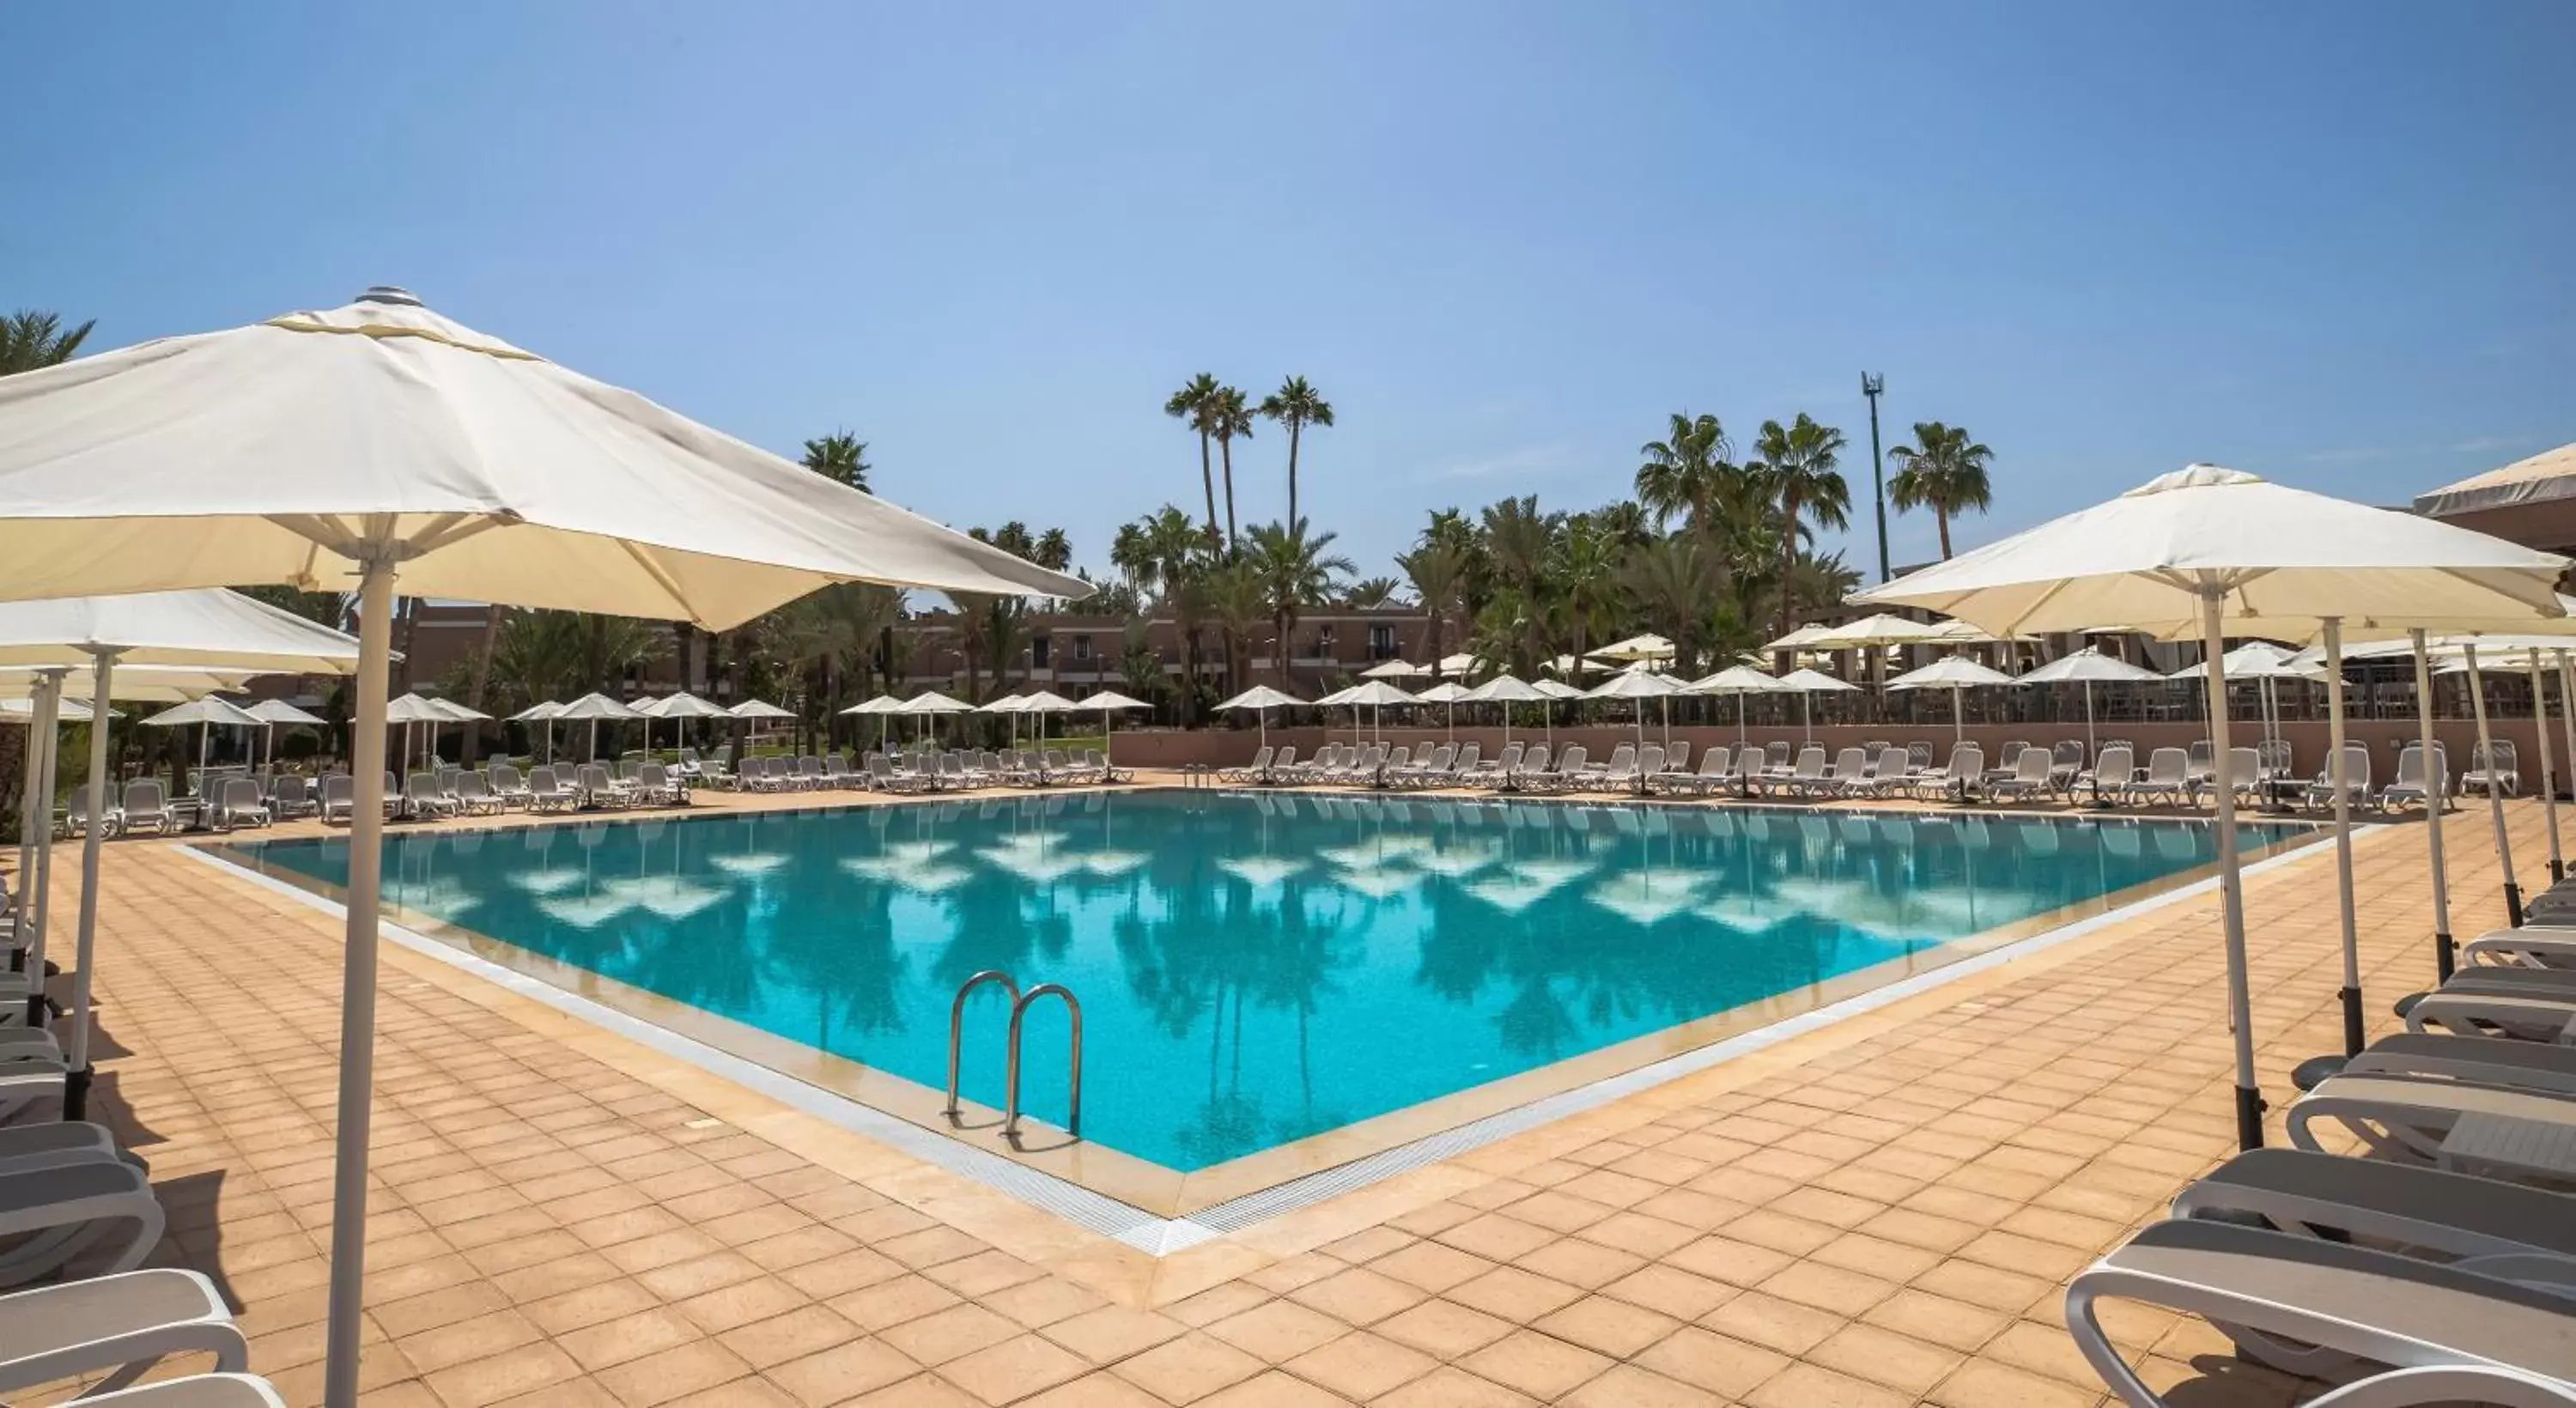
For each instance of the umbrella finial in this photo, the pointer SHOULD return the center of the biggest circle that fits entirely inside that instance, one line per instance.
(389, 293)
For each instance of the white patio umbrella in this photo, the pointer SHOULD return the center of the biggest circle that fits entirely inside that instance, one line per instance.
(590, 709)
(1807, 684)
(1461, 663)
(158, 684)
(930, 703)
(1556, 690)
(679, 707)
(753, 711)
(1634, 648)
(1375, 695)
(1108, 702)
(346, 447)
(1396, 670)
(2220, 543)
(1954, 673)
(271, 713)
(412, 710)
(1641, 685)
(1806, 637)
(2089, 667)
(2266, 664)
(205, 713)
(882, 708)
(1447, 692)
(1508, 690)
(1042, 703)
(1738, 681)
(22, 709)
(451, 712)
(208, 630)
(1261, 699)
(544, 714)
(1009, 704)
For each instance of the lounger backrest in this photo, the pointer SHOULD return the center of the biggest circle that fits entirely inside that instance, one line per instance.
(1650, 759)
(593, 777)
(2069, 752)
(1851, 762)
(143, 795)
(1775, 754)
(1967, 760)
(2166, 766)
(339, 790)
(1055, 760)
(1713, 762)
(1534, 757)
(505, 778)
(471, 784)
(1676, 756)
(421, 787)
(2198, 756)
(1894, 761)
(2012, 750)
(1442, 757)
(1287, 755)
(1464, 757)
(1511, 756)
(2117, 764)
(2031, 766)
(1623, 757)
(541, 779)
(2356, 766)
(2274, 757)
(1572, 761)
(241, 794)
(294, 790)
(655, 775)
(1260, 758)
(1811, 761)
(1918, 756)
(2244, 766)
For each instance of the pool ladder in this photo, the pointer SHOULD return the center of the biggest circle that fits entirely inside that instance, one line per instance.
(1020, 1004)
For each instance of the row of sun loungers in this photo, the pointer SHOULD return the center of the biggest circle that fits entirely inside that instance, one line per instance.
(953, 771)
(2437, 1267)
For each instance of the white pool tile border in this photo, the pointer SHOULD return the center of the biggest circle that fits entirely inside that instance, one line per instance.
(1161, 1236)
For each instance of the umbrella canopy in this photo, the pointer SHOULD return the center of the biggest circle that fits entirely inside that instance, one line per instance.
(1809, 637)
(2529, 498)
(1880, 629)
(2087, 666)
(1462, 663)
(682, 705)
(136, 683)
(1502, 689)
(1109, 699)
(882, 704)
(208, 710)
(1262, 696)
(1636, 684)
(1556, 689)
(1375, 693)
(595, 707)
(1644, 647)
(1446, 692)
(1804, 681)
(1736, 679)
(338, 448)
(546, 712)
(1007, 704)
(2220, 544)
(2257, 660)
(71, 711)
(1046, 701)
(1950, 672)
(931, 701)
(1396, 670)
(413, 709)
(278, 711)
(455, 713)
(760, 709)
(204, 628)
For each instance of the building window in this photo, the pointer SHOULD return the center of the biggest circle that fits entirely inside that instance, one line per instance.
(1082, 648)
(1381, 644)
(1038, 651)
(1324, 641)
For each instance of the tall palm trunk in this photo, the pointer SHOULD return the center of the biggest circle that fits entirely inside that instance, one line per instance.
(1207, 482)
(1941, 516)
(482, 681)
(1226, 446)
(1788, 560)
(599, 652)
(410, 627)
(1294, 427)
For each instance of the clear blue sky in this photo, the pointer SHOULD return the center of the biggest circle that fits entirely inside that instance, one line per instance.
(2328, 242)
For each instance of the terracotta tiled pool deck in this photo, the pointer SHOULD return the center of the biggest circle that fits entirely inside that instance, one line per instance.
(1884, 1211)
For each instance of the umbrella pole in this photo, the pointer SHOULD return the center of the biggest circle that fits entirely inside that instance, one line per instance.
(76, 1074)
(2437, 800)
(2231, 884)
(2340, 776)
(2495, 795)
(30, 773)
(2088, 720)
(50, 711)
(35, 826)
(2567, 707)
(2548, 768)
(358, 986)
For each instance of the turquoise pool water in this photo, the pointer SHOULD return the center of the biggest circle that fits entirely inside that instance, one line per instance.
(1254, 969)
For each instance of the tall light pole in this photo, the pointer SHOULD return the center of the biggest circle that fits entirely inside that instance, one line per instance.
(1871, 385)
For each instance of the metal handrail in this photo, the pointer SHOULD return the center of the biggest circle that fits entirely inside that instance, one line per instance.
(1011, 1077)
(957, 1024)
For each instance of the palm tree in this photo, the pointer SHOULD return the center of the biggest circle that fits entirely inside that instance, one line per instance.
(29, 339)
(1945, 472)
(1195, 405)
(1798, 462)
(1053, 550)
(1236, 597)
(840, 457)
(1231, 420)
(1296, 405)
(1370, 592)
(974, 624)
(1587, 572)
(1436, 568)
(1680, 476)
(1296, 570)
(1672, 580)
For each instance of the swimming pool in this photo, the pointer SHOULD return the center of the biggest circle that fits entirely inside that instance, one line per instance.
(1257, 970)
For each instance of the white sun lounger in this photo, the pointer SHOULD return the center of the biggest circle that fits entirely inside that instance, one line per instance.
(196, 1391)
(2533, 946)
(2443, 1334)
(61, 1211)
(2479, 1060)
(122, 1324)
(50, 1143)
(2405, 1118)
(2395, 1206)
